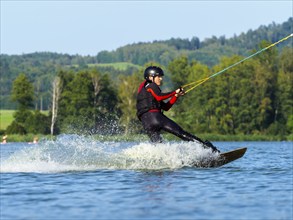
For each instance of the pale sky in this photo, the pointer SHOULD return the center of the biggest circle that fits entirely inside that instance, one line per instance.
(88, 27)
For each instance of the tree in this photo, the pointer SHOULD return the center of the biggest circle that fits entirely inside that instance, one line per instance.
(87, 103)
(76, 103)
(106, 110)
(56, 93)
(179, 69)
(21, 120)
(24, 120)
(265, 82)
(284, 93)
(195, 43)
(127, 101)
(96, 80)
(38, 123)
(190, 111)
(23, 92)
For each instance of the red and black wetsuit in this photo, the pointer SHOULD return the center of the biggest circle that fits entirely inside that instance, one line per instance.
(149, 111)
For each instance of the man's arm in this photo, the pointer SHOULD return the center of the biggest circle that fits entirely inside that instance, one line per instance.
(168, 105)
(157, 93)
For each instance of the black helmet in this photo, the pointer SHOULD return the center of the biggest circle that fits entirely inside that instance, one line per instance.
(153, 71)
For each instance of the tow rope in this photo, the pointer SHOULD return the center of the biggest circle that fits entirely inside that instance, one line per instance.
(201, 81)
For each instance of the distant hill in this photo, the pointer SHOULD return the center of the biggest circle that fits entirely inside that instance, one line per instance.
(207, 51)
(41, 67)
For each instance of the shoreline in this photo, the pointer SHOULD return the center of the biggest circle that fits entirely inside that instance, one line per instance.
(142, 137)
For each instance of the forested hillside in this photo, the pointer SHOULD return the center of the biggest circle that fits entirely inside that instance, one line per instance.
(208, 51)
(41, 67)
(253, 98)
(97, 94)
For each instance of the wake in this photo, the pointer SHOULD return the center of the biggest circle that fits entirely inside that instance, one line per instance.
(71, 153)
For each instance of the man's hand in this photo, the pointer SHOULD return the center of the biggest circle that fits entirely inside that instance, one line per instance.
(180, 92)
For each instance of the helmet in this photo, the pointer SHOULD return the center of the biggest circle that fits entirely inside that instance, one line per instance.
(153, 71)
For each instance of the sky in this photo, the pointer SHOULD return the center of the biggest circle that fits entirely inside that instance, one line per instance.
(88, 27)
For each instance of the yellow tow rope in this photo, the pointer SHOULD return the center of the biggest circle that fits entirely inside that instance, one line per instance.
(201, 81)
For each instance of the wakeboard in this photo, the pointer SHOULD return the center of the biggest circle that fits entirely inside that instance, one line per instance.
(224, 158)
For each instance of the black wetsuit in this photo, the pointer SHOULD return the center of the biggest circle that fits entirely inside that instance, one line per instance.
(149, 111)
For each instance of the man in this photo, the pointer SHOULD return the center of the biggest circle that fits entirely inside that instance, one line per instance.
(150, 103)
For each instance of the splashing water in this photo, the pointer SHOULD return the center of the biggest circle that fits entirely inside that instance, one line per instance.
(77, 153)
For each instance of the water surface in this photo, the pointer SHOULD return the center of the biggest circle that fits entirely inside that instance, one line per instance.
(80, 178)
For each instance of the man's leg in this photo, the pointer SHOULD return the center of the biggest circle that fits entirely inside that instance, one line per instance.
(152, 126)
(171, 127)
(155, 136)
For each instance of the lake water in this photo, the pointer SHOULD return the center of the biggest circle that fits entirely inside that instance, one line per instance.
(79, 178)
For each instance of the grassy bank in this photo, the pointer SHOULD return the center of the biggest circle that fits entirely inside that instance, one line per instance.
(27, 138)
(6, 117)
(119, 65)
(139, 138)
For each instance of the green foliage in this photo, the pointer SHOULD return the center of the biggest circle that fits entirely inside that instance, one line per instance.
(42, 67)
(15, 128)
(254, 98)
(208, 52)
(88, 102)
(122, 66)
(127, 101)
(26, 121)
(38, 123)
(23, 91)
(179, 69)
(284, 90)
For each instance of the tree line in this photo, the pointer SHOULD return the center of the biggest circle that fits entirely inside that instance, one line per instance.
(254, 97)
(42, 67)
(208, 51)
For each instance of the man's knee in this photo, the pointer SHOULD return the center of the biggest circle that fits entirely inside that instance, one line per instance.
(155, 137)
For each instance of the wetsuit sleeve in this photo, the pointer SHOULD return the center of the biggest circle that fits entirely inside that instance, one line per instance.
(157, 94)
(168, 105)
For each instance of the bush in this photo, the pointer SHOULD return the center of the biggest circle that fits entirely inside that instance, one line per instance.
(38, 124)
(28, 122)
(15, 128)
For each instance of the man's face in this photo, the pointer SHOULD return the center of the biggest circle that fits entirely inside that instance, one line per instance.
(157, 79)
